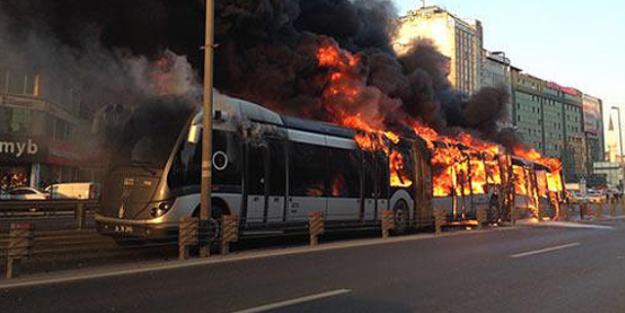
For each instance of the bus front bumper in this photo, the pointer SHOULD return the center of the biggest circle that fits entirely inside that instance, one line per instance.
(148, 229)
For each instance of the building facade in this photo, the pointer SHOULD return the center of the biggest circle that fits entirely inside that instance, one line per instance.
(610, 172)
(593, 134)
(497, 71)
(458, 39)
(549, 117)
(42, 127)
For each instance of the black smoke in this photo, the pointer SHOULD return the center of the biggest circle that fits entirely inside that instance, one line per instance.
(266, 52)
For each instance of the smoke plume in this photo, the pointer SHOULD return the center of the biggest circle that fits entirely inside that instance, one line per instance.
(267, 52)
(70, 56)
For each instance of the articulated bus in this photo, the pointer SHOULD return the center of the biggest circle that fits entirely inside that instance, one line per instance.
(270, 170)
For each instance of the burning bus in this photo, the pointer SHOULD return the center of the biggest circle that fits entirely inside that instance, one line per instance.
(273, 170)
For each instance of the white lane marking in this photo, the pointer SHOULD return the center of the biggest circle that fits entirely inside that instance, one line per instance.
(282, 304)
(73, 276)
(571, 225)
(551, 249)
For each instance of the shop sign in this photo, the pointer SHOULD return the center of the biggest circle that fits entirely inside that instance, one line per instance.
(21, 150)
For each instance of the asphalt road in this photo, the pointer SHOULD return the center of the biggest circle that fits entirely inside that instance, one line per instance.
(536, 269)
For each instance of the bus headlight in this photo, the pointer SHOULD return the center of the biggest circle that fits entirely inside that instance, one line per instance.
(161, 209)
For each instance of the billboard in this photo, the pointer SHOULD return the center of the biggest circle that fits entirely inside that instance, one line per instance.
(568, 90)
(592, 115)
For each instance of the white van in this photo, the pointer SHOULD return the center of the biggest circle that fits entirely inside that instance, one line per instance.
(74, 191)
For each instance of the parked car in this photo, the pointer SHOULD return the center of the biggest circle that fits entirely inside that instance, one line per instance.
(27, 193)
(74, 191)
(596, 196)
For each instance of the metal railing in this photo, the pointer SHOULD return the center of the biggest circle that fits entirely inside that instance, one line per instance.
(45, 209)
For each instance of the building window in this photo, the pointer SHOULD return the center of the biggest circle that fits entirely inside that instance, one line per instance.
(15, 120)
(62, 129)
(18, 82)
(5, 120)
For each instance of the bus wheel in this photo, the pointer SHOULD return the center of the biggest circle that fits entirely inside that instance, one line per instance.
(217, 211)
(402, 218)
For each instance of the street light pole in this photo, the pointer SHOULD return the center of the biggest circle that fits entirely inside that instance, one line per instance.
(207, 134)
(620, 134)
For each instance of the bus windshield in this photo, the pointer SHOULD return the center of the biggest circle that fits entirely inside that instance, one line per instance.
(227, 163)
(151, 133)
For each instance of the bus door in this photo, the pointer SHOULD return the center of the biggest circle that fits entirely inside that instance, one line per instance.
(480, 191)
(369, 189)
(276, 180)
(344, 176)
(257, 164)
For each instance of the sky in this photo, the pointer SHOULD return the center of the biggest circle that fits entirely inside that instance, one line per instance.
(575, 43)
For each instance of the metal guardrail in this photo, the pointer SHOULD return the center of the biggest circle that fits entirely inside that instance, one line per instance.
(315, 226)
(388, 222)
(44, 208)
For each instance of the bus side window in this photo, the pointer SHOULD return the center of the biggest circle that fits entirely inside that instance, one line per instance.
(277, 168)
(408, 169)
(308, 167)
(256, 169)
(344, 173)
(226, 170)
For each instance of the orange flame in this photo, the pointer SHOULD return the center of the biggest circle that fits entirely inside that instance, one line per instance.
(541, 177)
(461, 164)
(494, 177)
(460, 171)
(338, 185)
(344, 85)
(478, 176)
(316, 191)
(398, 177)
(554, 182)
(532, 155)
(520, 181)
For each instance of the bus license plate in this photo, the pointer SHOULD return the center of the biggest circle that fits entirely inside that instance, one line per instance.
(123, 229)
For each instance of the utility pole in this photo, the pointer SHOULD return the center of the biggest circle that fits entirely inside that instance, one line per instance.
(207, 134)
(620, 133)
